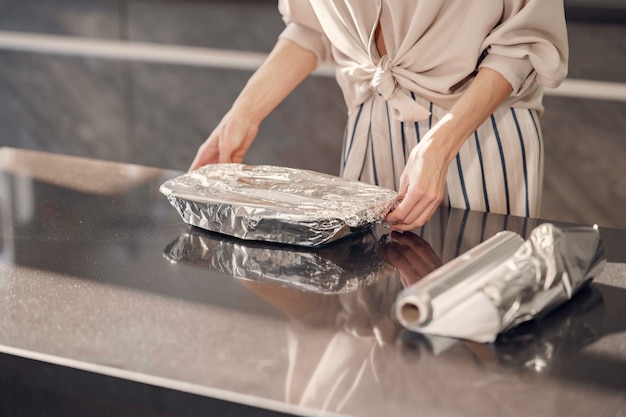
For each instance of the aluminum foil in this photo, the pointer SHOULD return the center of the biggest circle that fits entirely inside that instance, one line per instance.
(276, 204)
(482, 293)
(354, 262)
(450, 284)
(551, 266)
(538, 345)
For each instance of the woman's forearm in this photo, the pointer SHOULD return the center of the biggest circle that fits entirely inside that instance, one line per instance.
(423, 181)
(486, 93)
(284, 69)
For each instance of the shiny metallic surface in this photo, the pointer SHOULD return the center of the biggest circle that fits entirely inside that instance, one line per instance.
(551, 266)
(85, 284)
(276, 204)
(443, 289)
(352, 262)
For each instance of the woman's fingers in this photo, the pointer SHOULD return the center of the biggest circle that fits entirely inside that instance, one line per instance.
(207, 154)
(421, 187)
(229, 142)
(415, 209)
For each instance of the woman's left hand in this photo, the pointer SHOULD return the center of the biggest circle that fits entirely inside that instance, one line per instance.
(423, 181)
(422, 186)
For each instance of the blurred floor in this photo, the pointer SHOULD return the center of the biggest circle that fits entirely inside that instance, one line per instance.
(158, 113)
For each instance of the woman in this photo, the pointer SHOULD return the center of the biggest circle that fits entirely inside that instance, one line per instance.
(443, 96)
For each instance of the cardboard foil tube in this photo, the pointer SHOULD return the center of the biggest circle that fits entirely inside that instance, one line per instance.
(447, 286)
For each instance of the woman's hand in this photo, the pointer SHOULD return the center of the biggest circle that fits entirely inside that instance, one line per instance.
(229, 142)
(286, 66)
(422, 186)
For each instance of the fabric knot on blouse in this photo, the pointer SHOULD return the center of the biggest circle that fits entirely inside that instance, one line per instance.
(434, 47)
(402, 106)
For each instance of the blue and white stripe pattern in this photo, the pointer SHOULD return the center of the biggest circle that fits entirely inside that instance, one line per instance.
(499, 169)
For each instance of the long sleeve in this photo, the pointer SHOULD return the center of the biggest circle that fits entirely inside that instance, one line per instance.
(303, 28)
(433, 46)
(530, 44)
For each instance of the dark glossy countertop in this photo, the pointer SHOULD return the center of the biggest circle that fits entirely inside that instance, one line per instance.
(98, 273)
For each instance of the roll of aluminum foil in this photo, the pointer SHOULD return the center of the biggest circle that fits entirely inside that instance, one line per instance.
(493, 293)
(450, 284)
(276, 204)
(354, 262)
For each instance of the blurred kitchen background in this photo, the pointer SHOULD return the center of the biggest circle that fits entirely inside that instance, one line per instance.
(145, 82)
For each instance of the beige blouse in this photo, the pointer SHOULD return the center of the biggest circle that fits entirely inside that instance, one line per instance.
(434, 47)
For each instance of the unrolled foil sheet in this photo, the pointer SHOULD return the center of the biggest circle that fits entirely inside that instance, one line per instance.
(502, 282)
(354, 262)
(276, 204)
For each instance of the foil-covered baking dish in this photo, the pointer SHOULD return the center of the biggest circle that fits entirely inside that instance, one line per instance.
(276, 204)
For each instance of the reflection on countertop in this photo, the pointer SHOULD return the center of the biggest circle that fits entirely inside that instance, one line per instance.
(343, 266)
(296, 280)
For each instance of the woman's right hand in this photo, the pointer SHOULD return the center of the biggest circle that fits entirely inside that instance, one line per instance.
(285, 67)
(229, 142)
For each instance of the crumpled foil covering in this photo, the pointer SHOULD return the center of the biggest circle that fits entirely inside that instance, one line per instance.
(549, 268)
(276, 204)
(345, 266)
(498, 292)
